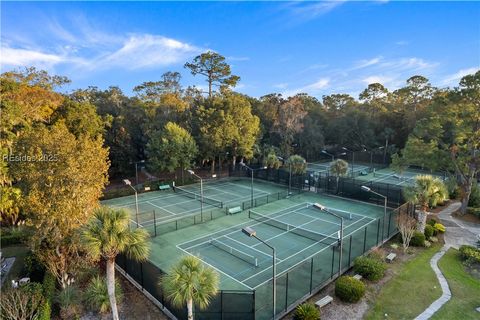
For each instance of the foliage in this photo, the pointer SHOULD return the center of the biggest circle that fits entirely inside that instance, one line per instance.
(96, 294)
(213, 66)
(370, 268)
(418, 239)
(339, 168)
(349, 289)
(48, 286)
(474, 211)
(307, 311)
(69, 302)
(297, 163)
(61, 184)
(470, 254)
(13, 235)
(24, 303)
(439, 227)
(272, 161)
(171, 149)
(474, 200)
(108, 234)
(406, 226)
(428, 231)
(431, 222)
(190, 282)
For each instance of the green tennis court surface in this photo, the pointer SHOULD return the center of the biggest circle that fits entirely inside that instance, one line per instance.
(296, 229)
(387, 175)
(165, 208)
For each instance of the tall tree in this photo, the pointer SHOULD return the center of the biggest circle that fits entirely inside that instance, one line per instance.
(189, 282)
(375, 98)
(339, 168)
(61, 178)
(213, 66)
(107, 235)
(171, 149)
(152, 91)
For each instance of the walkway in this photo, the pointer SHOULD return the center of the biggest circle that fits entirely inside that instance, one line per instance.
(458, 233)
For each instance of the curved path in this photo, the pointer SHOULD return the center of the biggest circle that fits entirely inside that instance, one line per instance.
(458, 233)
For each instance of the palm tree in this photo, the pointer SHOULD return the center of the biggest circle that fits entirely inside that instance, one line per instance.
(426, 190)
(107, 235)
(339, 168)
(189, 282)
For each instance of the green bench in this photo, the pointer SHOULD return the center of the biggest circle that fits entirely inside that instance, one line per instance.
(164, 187)
(234, 210)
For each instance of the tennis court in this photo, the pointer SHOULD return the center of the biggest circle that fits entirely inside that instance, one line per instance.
(387, 175)
(325, 167)
(297, 232)
(167, 207)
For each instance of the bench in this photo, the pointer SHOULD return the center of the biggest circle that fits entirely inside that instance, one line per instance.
(364, 173)
(234, 210)
(324, 301)
(358, 276)
(164, 187)
(391, 256)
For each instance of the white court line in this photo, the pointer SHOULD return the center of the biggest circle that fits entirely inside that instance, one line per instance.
(235, 228)
(305, 259)
(229, 276)
(168, 211)
(244, 245)
(316, 218)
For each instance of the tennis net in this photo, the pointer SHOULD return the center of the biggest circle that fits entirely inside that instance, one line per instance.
(196, 196)
(234, 252)
(393, 176)
(316, 236)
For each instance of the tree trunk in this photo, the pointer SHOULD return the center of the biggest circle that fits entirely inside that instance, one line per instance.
(234, 160)
(338, 179)
(183, 175)
(213, 166)
(210, 87)
(422, 220)
(111, 287)
(466, 191)
(190, 309)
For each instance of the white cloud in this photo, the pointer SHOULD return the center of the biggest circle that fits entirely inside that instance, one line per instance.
(402, 43)
(238, 58)
(312, 88)
(146, 50)
(454, 79)
(385, 80)
(280, 85)
(367, 63)
(15, 57)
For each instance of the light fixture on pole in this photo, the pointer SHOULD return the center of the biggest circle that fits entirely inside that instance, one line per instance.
(201, 192)
(251, 184)
(340, 236)
(128, 183)
(367, 189)
(136, 171)
(329, 154)
(253, 234)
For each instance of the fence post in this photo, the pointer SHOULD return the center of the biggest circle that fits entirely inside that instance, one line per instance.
(311, 275)
(154, 223)
(378, 230)
(286, 292)
(350, 251)
(365, 240)
(333, 262)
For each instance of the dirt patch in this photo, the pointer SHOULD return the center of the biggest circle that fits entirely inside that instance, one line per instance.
(134, 306)
(468, 217)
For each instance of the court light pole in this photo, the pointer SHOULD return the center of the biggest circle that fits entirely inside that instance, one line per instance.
(136, 171)
(353, 157)
(251, 183)
(323, 208)
(129, 183)
(253, 234)
(290, 174)
(329, 154)
(201, 192)
(367, 189)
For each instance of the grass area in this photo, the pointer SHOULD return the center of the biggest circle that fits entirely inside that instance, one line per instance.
(464, 287)
(412, 289)
(19, 252)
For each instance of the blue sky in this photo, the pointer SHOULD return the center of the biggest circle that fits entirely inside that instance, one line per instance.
(286, 47)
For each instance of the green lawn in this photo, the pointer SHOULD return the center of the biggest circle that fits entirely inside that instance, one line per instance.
(410, 291)
(19, 252)
(465, 289)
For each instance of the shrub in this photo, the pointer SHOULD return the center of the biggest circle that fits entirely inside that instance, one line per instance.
(370, 268)
(431, 222)
(21, 303)
(433, 239)
(418, 239)
(306, 311)
(68, 299)
(428, 231)
(48, 287)
(34, 268)
(474, 200)
(376, 254)
(349, 289)
(96, 294)
(470, 254)
(427, 244)
(474, 211)
(439, 227)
